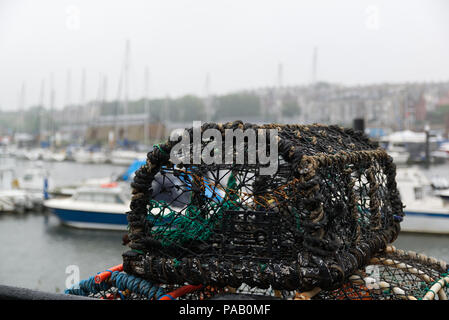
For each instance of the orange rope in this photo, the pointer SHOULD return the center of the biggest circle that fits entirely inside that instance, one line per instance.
(99, 278)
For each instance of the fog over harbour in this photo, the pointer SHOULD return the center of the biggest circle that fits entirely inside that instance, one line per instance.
(238, 44)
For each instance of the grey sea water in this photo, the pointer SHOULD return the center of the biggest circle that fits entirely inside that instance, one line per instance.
(36, 250)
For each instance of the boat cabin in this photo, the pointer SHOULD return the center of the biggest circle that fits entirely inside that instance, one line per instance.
(101, 195)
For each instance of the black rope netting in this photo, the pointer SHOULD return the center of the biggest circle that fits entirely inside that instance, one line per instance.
(330, 207)
(392, 274)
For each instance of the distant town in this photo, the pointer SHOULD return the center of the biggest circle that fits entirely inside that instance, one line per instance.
(384, 107)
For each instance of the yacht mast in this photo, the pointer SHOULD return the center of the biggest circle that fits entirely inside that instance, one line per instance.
(79, 119)
(163, 119)
(97, 103)
(52, 106)
(315, 65)
(126, 88)
(278, 94)
(21, 125)
(208, 99)
(41, 110)
(105, 89)
(146, 126)
(66, 115)
(114, 139)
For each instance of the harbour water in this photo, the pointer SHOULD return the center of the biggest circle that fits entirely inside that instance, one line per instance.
(37, 252)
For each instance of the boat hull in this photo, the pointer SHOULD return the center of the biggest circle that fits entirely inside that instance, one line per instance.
(91, 219)
(425, 222)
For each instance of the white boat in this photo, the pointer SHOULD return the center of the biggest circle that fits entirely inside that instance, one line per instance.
(444, 147)
(439, 183)
(16, 200)
(399, 156)
(86, 156)
(7, 150)
(99, 157)
(46, 155)
(405, 146)
(33, 154)
(82, 156)
(126, 157)
(93, 208)
(104, 206)
(396, 145)
(124, 178)
(443, 194)
(35, 182)
(70, 190)
(57, 156)
(33, 179)
(19, 153)
(442, 152)
(425, 212)
(397, 151)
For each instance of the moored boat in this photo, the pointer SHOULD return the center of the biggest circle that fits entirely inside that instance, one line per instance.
(101, 207)
(126, 157)
(25, 192)
(425, 212)
(16, 201)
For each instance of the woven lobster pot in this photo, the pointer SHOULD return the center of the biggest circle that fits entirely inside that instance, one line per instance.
(393, 274)
(329, 207)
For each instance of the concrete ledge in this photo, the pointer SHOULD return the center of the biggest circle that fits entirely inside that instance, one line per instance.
(15, 293)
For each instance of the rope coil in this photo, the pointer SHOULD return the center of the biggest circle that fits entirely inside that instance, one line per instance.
(121, 281)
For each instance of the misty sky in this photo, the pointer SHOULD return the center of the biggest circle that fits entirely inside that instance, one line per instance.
(240, 43)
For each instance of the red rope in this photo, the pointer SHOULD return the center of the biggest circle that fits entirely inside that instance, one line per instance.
(180, 292)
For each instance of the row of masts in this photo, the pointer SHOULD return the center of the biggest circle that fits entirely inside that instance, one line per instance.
(123, 98)
(101, 98)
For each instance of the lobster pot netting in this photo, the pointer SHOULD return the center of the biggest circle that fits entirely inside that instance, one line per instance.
(331, 205)
(390, 275)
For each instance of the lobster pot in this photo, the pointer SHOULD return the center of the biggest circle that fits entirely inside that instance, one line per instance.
(323, 205)
(392, 274)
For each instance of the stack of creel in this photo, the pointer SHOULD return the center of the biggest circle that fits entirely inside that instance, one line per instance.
(390, 275)
(312, 229)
